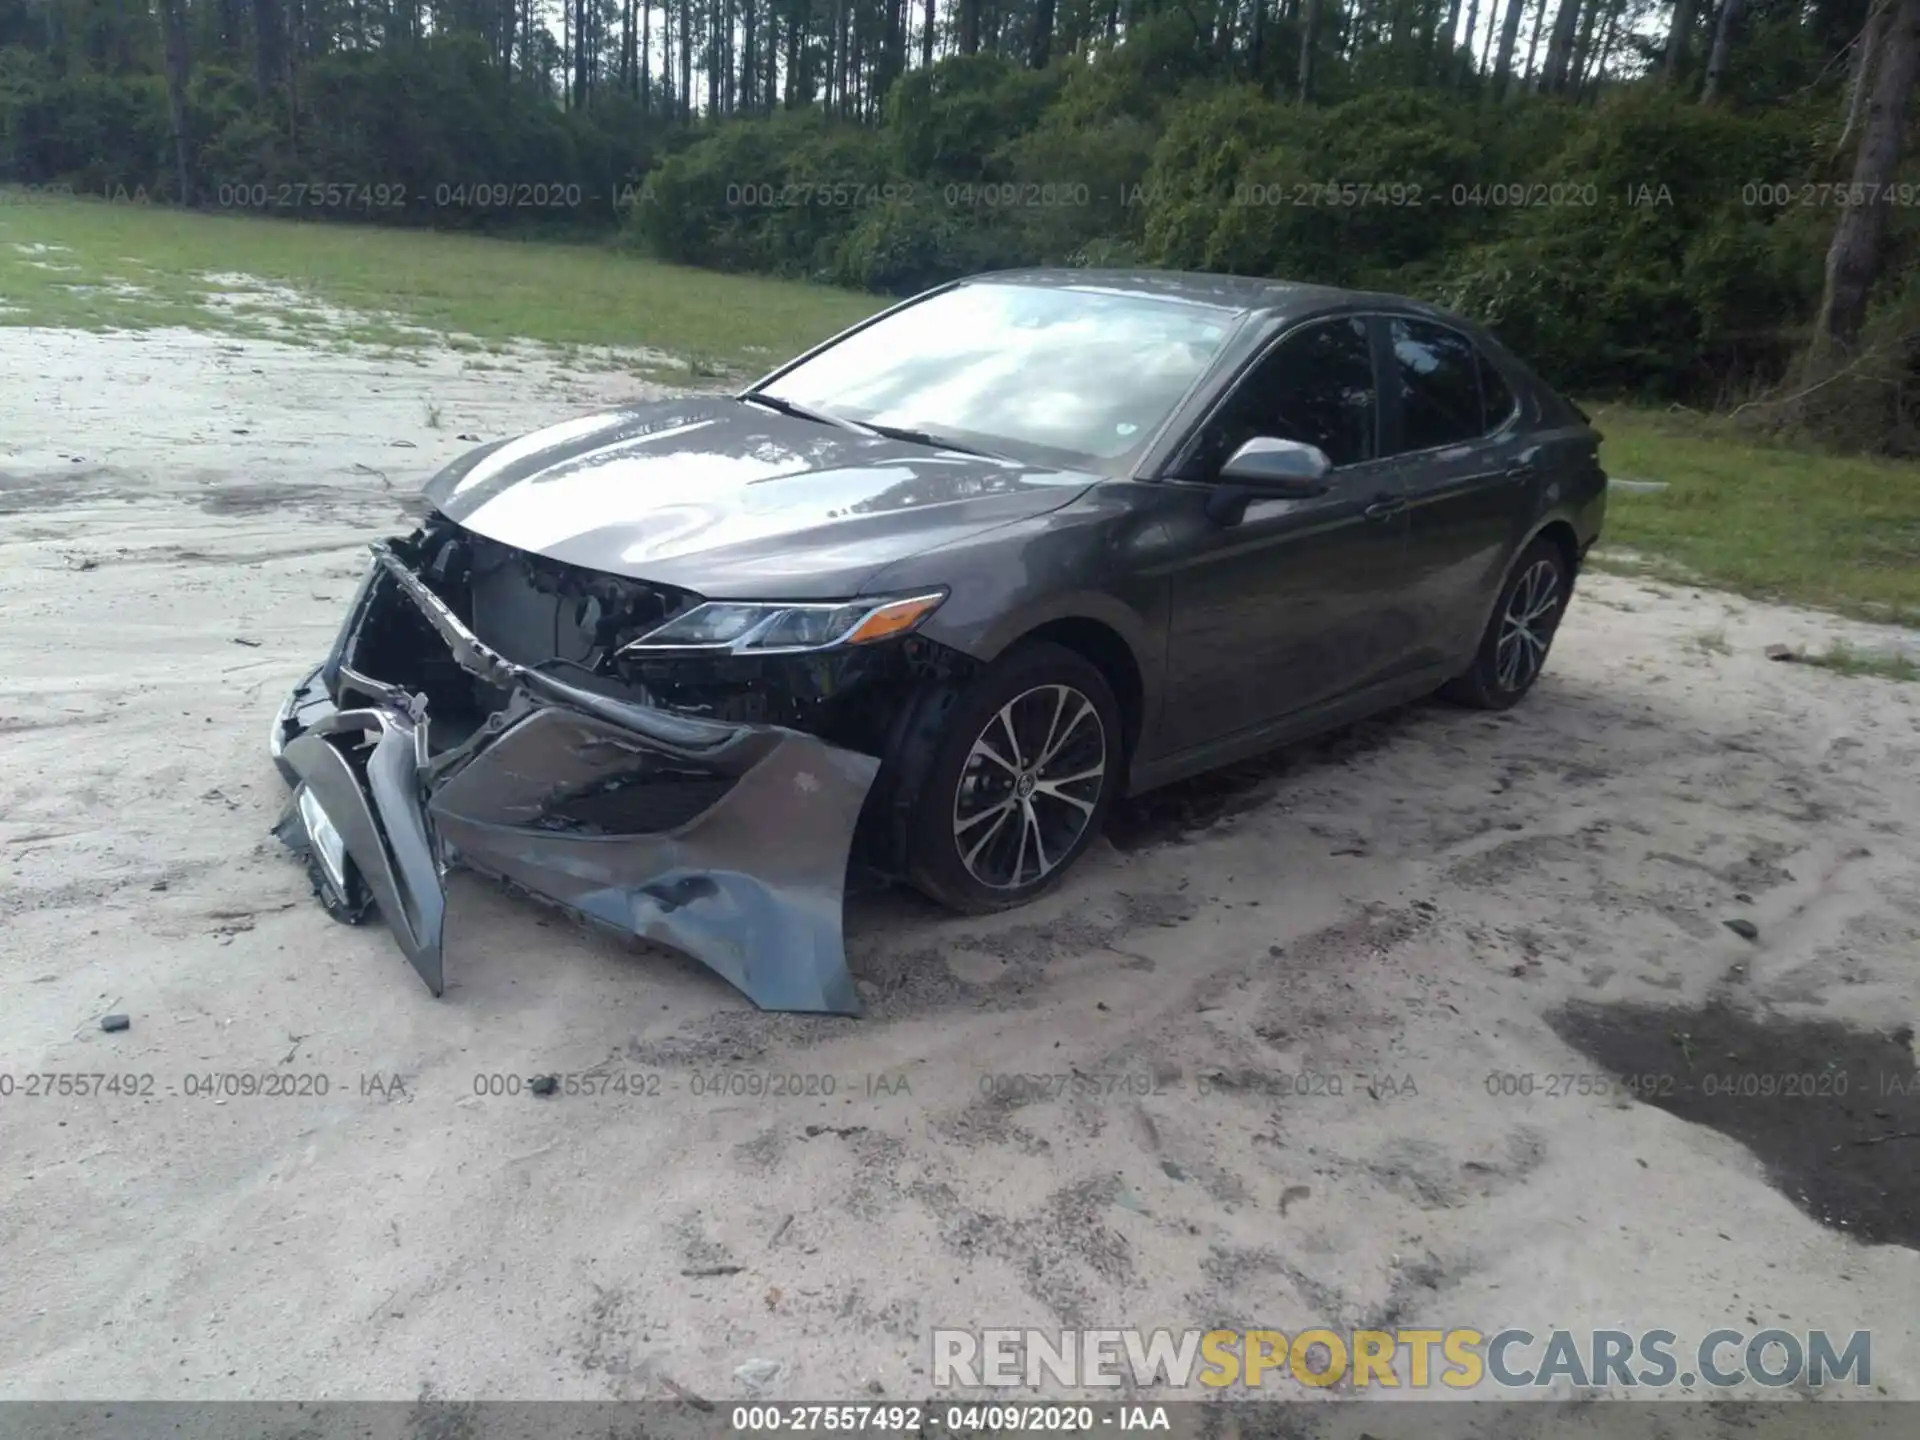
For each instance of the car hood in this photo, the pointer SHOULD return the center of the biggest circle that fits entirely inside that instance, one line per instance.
(731, 500)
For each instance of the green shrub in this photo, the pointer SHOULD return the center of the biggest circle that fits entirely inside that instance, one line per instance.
(1671, 275)
(779, 195)
(947, 122)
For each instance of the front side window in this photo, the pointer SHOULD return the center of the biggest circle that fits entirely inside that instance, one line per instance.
(1056, 374)
(1315, 386)
(1438, 375)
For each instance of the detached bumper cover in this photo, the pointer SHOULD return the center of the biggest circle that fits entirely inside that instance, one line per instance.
(726, 841)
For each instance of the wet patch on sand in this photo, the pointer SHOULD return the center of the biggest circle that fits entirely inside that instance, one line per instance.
(1832, 1112)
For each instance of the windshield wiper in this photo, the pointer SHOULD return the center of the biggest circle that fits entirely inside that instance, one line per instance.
(802, 412)
(921, 437)
(892, 432)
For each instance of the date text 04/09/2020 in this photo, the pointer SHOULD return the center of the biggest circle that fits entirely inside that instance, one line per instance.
(868, 1417)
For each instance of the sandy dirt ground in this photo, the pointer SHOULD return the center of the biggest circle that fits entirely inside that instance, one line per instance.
(1263, 1015)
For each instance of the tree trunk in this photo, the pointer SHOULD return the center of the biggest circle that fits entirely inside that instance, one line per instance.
(293, 51)
(1576, 75)
(269, 46)
(926, 37)
(581, 53)
(1309, 34)
(1853, 260)
(1042, 48)
(227, 28)
(686, 61)
(795, 31)
(969, 27)
(1473, 25)
(1566, 25)
(748, 99)
(770, 65)
(1509, 33)
(1592, 80)
(1442, 37)
(1730, 12)
(670, 106)
(1866, 48)
(1533, 38)
(899, 19)
(1679, 38)
(173, 24)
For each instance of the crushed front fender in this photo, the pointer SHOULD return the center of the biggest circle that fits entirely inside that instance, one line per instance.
(726, 841)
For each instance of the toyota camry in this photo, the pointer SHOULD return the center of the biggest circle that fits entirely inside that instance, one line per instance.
(927, 601)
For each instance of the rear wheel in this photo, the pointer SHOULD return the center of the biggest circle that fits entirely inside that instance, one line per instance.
(1020, 782)
(1514, 648)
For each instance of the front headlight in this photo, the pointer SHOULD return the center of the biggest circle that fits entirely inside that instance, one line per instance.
(756, 629)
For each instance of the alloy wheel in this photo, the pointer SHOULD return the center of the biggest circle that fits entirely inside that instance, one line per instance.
(1526, 628)
(1029, 787)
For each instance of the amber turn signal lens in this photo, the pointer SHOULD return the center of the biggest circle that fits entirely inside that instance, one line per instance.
(894, 618)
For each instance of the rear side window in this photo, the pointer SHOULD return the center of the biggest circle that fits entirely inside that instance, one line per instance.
(1496, 396)
(1438, 375)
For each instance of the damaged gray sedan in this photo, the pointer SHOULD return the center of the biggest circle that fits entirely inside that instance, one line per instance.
(924, 603)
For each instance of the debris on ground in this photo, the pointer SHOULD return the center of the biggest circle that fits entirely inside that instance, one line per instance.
(758, 1374)
(699, 1402)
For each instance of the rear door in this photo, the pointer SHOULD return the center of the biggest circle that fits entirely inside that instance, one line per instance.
(1461, 459)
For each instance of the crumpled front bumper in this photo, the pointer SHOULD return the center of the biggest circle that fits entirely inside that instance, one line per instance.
(750, 884)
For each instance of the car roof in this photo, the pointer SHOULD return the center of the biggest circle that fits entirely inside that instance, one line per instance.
(1242, 294)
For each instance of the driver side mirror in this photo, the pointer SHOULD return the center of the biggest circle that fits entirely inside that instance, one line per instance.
(1286, 469)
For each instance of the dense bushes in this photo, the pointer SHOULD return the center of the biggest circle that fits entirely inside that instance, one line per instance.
(94, 132)
(936, 191)
(1645, 244)
(1677, 269)
(427, 133)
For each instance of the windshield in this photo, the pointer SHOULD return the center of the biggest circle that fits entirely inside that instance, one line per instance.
(1068, 376)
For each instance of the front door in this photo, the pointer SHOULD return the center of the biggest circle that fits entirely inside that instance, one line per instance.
(1283, 610)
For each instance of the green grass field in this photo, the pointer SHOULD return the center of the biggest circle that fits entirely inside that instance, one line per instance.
(1764, 520)
(140, 266)
(1768, 521)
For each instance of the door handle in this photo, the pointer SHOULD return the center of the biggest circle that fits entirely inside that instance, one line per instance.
(1386, 507)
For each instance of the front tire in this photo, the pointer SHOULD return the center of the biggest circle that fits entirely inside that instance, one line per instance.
(1020, 782)
(1513, 651)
